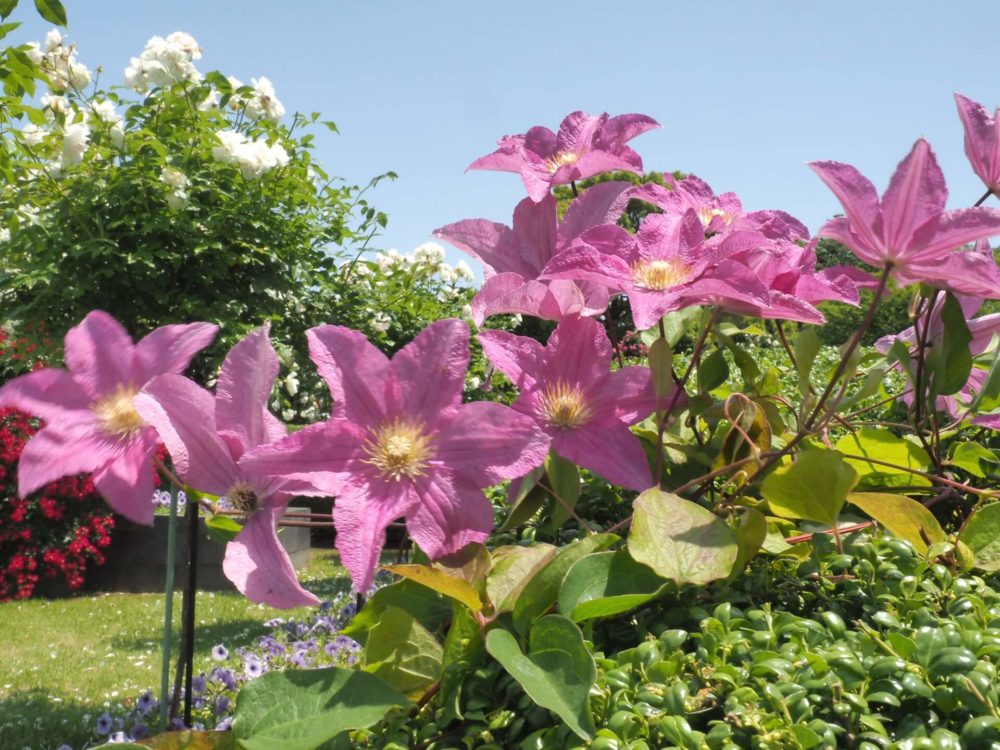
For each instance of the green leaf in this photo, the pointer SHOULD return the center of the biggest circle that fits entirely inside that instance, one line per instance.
(513, 567)
(903, 516)
(441, 581)
(680, 540)
(813, 487)
(988, 397)
(301, 709)
(428, 606)
(557, 672)
(222, 529)
(606, 584)
(464, 650)
(661, 359)
(675, 325)
(403, 652)
(883, 445)
(564, 479)
(7, 7)
(954, 362)
(807, 346)
(713, 371)
(541, 591)
(52, 11)
(970, 456)
(527, 498)
(751, 531)
(982, 536)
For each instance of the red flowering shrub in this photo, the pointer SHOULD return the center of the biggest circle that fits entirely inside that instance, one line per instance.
(56, 532)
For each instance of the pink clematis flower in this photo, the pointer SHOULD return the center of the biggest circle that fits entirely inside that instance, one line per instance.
(982, 140)
(208, 435)
(719, 213)
(568, 389)
(513, 258)
(909, 230)
(90, 422)
(584, 146)
(401, 443)
(667, 265)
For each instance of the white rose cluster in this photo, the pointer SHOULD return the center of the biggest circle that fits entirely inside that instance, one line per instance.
(58, 61)
(164, 62)
(428, 257)
(254, 157)
(262, 104)
(178, 182)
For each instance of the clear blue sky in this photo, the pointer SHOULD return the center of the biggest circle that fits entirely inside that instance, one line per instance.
(746, 93)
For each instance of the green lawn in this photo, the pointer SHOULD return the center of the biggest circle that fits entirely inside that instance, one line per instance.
(67, 661)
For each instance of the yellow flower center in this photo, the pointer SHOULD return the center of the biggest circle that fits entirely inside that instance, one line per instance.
(563, 405)
(399, 448)
(116, 415)
(707, 214)
(660, 274)
(243, 498)
(562, 159)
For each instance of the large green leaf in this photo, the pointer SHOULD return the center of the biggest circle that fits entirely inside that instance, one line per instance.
(403, 652)
(813, 487)
(661, 359)
(680, 540)
(751, 531)
(982, 536)
(903, 516)
(52, 11)
(541, 591)
(464, 650)
(513, 567)
(713, 371)
(557, 672)
(970, 456)
(606, 584)
(441, 581)
(7, 7)
(427, 606)
(527, 497)
(303, 708)
(807, 346)
(954, 360)
(564, 479)
(883, 445)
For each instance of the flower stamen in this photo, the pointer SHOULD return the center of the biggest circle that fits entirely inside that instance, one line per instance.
(661, 274)
(116, 415)
(561, 159)
(563, 405)
(399, 448)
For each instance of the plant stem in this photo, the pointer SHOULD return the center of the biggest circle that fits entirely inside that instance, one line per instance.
(981, 201)
(190, 593)
(168, 609)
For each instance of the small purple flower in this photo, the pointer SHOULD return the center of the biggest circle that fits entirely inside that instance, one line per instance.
(145, 702)
(64, 747)
(224, 725)
(198, 684)
(220, 652)
(254, 667)
(226, 677)
(221, 705)
(117, 738)
(104, 724)
(274, 622)
(332, 649)
(138, 732)
(177, 723)
(325, 606)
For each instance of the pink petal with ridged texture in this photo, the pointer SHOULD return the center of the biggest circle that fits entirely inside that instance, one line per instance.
(246, 379)
(361, 514)
(788, 307)
(603, 203)
(611, 451)
(627, 396)
(729, 279)
(517, 357)
(623, 128)
(540, 141)
(508, 158)
(595, 297)
(670, 200)
(605, 259)
(496, 246)
(99, 354)
(537, 177)
(259, 566)
(776, 225)
(982, 140)
(989, 421)
(982, 330)
(577, 130)
(860, 201)
(578, 351)
(512, 293)
(170, 349)
(182, 414)
(451, 514)
(323, 456)
(916, 194)
(535, 229)
(953, 229)
(648, 307)
(842, 231)
(429, 372)
(127, 482)
(354, 370)
(963, 272)
(598, 162)
(823, 286)
(61, 450)
(50, 394)
(486, 443)
(660, 235)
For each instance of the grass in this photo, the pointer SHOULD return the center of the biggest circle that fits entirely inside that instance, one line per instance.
(67, 661)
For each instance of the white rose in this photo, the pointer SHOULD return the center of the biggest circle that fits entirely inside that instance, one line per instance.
(33, 135)
(76, 138)
(463, 271)
(177, 199)
(53, 41)
(174, 178)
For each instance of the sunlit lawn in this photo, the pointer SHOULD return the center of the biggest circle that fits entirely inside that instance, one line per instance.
(66, 661)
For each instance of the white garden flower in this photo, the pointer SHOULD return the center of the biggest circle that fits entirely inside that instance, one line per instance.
(117, 135)
(54, 103)
(291, 384)
(4, 234)
(164, 62)
(33, 135)
(429, 252)
(380, 322)
(34, 53)
(177, 199)
(447, 273)
(53, 40)
(105, 112)
(186, 43)
(76, 138)
(466, 313)
(231, 141)
(463, 271)
(473, 383)
(264, 105)
(174, 178)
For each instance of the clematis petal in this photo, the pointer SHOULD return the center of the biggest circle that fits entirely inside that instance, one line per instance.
(602, 255)
(99, 354)
(611, 451)
(496, 246)
(354, 370)
(512, 293)
(982, 140)
(953, 229)
(259, 566)
(603, 203)
(246, 379)
(508, 158)
(50, 394)
(962, 272)
(577, 131)
(428, 374)
(182, 414)
(858, 197)
(61, 450)
(361, 514)
(127, 482)
(486, 443)
(916, 194)
(517, 357)
(535, 229)
(578, 351)
(451, 514)
(627, 396)
(623, 128)
(170, 349)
